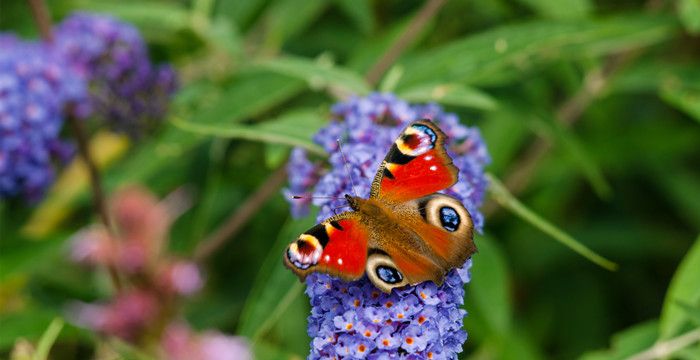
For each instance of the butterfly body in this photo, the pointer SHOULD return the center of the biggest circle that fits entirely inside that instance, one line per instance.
(404, 233)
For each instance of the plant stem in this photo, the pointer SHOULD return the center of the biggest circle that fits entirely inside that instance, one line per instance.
(41, 16)
(666, 348)
(95, 181)
(240, 217)
(406, 38)
(503, 197)
(43, 20)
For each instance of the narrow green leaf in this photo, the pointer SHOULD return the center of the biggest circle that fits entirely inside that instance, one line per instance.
(563, 10)
(628, 342)
(273, 282)
(28, 255)
(285, 19)
(319, 74)
(450, 94)
(30, 323)
(294, 128)
(682, 189)
(267, 351)
(490, 284)
(502, 196)
(581, 157)
(684, 288)
(503, 53)
(664, 349)
(241, 13)
(360, 12)
(692, 311)
(389, 81)
(683, 96)
(150, 16)
(689, 12)
(47, 339)
(277, 312)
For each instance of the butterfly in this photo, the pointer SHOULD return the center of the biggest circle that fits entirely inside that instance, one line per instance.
(405, 233)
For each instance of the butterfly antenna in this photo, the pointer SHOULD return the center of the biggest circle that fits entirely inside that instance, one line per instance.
(347, 168)
(316, 197)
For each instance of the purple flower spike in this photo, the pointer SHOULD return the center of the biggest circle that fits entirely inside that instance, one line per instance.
(354, 320)
(34, 89)
(126, 90)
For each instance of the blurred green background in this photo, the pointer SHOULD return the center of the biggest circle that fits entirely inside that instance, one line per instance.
(590, 110)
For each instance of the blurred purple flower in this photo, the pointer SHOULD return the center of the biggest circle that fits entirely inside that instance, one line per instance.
(354, 319)
(34, 89)
(125, 89)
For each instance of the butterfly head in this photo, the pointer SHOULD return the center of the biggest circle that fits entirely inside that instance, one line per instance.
(353, 201)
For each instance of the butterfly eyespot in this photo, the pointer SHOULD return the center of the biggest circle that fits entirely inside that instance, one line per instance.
(304, 252)
(449, 218)
(389, 275)
(416, 140)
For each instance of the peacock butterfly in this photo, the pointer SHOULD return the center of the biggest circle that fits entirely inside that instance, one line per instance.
(406, 232)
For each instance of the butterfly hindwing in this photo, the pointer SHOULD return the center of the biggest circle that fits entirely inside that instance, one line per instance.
(337, 246)
(439, 237)
(417, 165)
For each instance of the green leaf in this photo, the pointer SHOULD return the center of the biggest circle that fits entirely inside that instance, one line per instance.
(30, 323)
(682, 188)
(683, 96)
(285, 19)
(360, 12)
(691, 311)
(627, 342)
(450, 94)
(502, 196)
(28, 255)
(564, 10)
(505, 52)
(152, 17)
(294, 128)
(248, 95)
(47, 339)
(240, 12)
(580, 156)
(684, 288)
(267, 351)
(319, 74)
(689, 12)
(273, 283)
(490, 285)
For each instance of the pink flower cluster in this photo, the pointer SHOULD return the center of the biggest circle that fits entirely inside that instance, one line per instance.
(152, 282)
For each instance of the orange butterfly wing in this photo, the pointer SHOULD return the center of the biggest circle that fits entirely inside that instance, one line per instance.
(417, 165)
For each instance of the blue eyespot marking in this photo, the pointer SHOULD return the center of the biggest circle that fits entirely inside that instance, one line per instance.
(426, 130)
(449, 218)
(389, 275)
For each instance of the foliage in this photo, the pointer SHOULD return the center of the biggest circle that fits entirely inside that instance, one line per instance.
(589, 110)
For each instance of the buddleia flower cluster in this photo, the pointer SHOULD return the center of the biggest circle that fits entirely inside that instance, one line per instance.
(354, 320)
(34, 90)
(153, 281)
(96, 67)
(126, 89)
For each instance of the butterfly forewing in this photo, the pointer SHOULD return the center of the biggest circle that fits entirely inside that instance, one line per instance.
(337, 246)
(417, 165)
